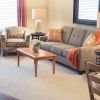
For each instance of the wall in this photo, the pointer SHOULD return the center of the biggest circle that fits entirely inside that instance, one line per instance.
(35, 4)
(60, 12)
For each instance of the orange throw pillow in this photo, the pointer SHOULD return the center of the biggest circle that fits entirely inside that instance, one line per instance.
(55, 35)
(97, 36)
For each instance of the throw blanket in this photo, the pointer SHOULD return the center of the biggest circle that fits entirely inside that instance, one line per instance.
(73, 55)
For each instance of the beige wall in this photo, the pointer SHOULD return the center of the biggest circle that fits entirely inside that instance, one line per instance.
(60, 12)
(35, 4)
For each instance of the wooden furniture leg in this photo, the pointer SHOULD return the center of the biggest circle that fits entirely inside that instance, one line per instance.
(18, 55)
(53, 65)
(35, 66)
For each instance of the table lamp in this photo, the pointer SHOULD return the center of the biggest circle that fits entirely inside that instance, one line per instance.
(38, 15)
(98, 20)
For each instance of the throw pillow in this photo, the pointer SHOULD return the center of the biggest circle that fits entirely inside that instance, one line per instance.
(55, 35)
(89, 40)
(97, 36)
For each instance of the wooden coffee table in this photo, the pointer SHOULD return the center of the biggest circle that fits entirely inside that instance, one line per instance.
(42, 55)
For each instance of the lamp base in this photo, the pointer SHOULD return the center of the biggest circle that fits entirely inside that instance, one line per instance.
(38, 26)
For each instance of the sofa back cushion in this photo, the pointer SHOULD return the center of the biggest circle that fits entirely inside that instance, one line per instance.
(77, 37)
(67, 30)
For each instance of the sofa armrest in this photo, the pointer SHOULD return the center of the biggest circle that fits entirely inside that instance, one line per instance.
(27, 37)
(3, 41)
(27, 33)
(43, 38)
(86, 53)
(27, 40)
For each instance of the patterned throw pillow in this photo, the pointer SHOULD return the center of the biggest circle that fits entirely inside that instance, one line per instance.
(89, 40)
(55, 35)
(15, 32)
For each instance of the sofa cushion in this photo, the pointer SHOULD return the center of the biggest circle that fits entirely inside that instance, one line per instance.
(57, 49)
(77, 37)
(66, 51)
(47, 45)
(67, 30)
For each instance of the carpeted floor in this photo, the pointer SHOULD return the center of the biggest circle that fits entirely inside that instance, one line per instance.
(21, 83)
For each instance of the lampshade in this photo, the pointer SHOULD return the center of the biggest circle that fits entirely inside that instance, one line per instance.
(98, 20)
(38, 14)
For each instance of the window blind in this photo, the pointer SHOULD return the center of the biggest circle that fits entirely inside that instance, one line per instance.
(88, 9)
(8, 13)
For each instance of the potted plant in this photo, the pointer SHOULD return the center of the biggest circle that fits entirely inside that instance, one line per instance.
(36, 45)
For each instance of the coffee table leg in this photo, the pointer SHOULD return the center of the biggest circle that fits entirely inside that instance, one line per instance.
(35, 66)
(18, 55)
(53, 65)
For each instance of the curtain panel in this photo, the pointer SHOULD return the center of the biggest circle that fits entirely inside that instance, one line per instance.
(22, 12)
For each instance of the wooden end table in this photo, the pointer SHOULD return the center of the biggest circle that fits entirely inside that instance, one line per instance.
(37, 35)
(97, 51)
(42, 55)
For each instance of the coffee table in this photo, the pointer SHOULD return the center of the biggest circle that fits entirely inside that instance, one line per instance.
(42, 55)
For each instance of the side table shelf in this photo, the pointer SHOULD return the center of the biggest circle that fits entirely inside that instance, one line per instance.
(37, 35)
(97, 56)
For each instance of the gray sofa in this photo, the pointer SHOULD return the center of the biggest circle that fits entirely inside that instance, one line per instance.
(72, 37)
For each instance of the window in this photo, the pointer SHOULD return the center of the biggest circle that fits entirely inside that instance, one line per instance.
(85, 11)
(8, 13)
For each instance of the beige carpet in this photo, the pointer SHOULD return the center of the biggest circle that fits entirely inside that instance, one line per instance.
(21, 83)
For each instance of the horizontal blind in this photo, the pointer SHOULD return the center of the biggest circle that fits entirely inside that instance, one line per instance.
(88, 9)
(8, 13)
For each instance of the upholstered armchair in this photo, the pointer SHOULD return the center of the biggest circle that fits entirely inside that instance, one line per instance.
(14, 37)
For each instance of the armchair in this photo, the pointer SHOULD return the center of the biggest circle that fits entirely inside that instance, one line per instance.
(14, 37)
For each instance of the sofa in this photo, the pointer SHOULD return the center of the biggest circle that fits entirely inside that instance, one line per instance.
(14, 37)
(72, 37)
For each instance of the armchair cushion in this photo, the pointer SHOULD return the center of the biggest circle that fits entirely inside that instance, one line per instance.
(15, 43)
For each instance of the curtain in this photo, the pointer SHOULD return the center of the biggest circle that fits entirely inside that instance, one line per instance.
(22, 12)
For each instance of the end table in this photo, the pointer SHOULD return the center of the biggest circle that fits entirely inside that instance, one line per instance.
(97, 51)
(37, 35)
